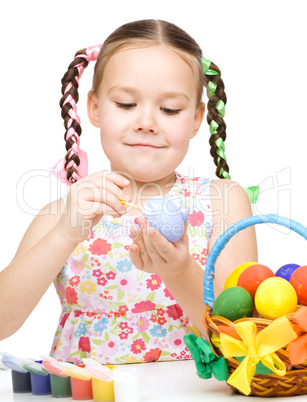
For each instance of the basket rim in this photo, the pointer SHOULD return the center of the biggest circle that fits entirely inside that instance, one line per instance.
(209, 296)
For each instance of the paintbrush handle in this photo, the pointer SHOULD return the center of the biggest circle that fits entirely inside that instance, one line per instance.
(128, 204)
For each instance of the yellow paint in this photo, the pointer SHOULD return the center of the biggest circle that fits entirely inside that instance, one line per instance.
(103, 391)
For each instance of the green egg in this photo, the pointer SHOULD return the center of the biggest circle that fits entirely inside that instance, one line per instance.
(234, 303)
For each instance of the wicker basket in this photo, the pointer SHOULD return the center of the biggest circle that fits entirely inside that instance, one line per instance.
(295, 380)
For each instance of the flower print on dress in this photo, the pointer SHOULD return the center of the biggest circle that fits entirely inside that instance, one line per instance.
(158, 331)
(61, 290)
(122, 309)
(143, 306)
(109, 348)
(203, 261)
(127, 283)
(101, 325)
(124, 266)
(176, 339)
(142, 324)
(77, 266)
(123, 335)
(161, 320)
(102, 281)
(97, 273)
(123, 325)
(88, 287)
(99, 247)
(74, 281)
(152, 355)
(63, 320)
(111, 275)
(168, 294)
(71, 295)
(175, 311)
(84, 344)
(154, 282)
(82, 330)
(196, 218)
(137, 346)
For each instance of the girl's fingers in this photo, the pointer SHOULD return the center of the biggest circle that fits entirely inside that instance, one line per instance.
(99, 179)
(155, 243)
(184, 239)
(135, 257)
(139, 239)
(99, 196)
(92, 208)
(104, 186)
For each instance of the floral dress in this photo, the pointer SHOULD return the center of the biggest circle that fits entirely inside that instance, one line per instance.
(115, 313)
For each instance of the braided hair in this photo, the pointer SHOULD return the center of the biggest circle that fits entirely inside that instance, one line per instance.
(215, 116)
(70, 85)
(142, 33)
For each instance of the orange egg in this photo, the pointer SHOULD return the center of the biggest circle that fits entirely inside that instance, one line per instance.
(233, 277)
(299, 281)
(253, 276)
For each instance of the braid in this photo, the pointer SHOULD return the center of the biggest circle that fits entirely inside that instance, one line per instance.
(215, 117)
(70, 85)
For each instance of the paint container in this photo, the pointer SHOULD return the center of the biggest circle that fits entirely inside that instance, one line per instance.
(21, 382)
(127, 385)
(40, 379)
(53, 366)
(59, 381)
(60, 386)
(102, 381)
(81, 381)
(21, 379)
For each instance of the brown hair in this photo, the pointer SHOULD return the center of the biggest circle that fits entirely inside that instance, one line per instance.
(145, 33)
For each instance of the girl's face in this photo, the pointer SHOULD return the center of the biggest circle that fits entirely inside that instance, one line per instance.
(147, 111)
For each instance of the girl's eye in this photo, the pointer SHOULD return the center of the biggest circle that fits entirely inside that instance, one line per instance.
(125, 105)
(170, 111)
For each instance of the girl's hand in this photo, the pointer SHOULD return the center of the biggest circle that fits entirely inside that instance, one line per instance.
(88, 200)
(151, 252)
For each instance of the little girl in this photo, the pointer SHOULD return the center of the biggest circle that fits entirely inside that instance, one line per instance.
(127, 293)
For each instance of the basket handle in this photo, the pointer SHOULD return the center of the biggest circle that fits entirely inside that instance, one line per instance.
(221, 242)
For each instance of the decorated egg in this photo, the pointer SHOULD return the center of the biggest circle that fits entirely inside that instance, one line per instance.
(299, 282)
(252, 276)
(165, 216)
(233, 303)
(275, 297)
(286, 271)
(233, 277)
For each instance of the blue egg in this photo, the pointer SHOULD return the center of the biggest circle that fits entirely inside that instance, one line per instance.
(286, 271)
(165, 216)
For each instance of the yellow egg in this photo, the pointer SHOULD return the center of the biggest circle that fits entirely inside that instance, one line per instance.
(275, 297)
(234, 276)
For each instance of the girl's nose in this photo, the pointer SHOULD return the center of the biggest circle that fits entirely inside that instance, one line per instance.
(146, 121)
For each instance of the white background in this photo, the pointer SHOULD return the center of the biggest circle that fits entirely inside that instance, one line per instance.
(260, 47)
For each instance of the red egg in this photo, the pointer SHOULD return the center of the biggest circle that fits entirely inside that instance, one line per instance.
(299, 281)
(253, 276)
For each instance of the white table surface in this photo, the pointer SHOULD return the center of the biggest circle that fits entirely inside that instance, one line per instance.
(163, 382)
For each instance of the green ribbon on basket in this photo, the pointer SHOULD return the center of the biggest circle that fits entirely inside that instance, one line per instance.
(205, 360)
(253, 192)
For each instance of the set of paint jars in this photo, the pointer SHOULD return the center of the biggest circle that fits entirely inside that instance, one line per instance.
(86, 381)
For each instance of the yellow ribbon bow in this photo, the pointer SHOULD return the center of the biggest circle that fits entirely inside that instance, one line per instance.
(256, 347)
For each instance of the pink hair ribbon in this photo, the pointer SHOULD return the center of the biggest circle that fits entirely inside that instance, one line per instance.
(59, 170)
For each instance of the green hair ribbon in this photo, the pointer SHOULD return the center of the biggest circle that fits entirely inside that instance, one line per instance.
(253, 192)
